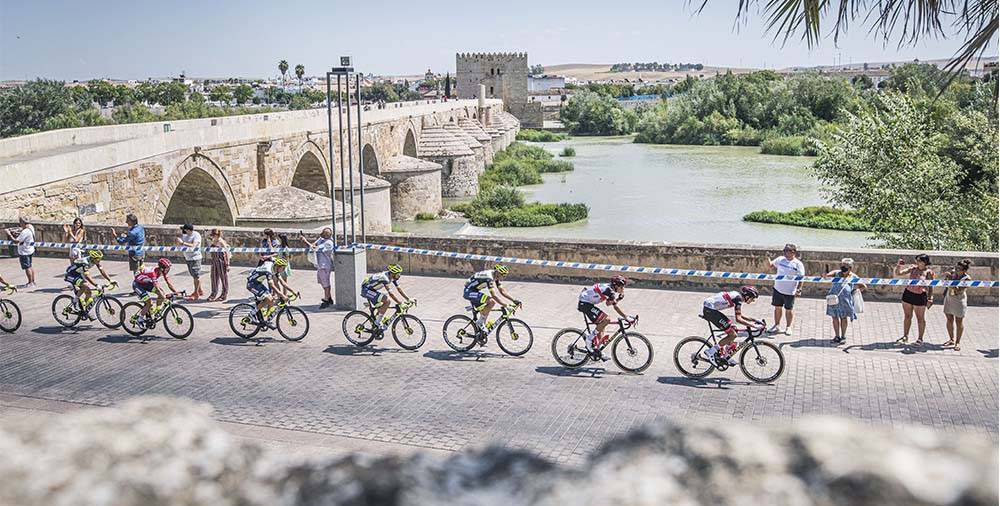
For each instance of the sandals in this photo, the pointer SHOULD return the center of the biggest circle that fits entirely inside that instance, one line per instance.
(903, 340)
(919, 342)
(957, 347)
(950, 342)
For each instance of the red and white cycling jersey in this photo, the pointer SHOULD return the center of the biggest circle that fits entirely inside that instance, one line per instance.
(724, 300)
(600, 292)
(149, 275)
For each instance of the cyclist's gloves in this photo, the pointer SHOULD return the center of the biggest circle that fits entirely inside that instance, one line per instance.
(517, 302)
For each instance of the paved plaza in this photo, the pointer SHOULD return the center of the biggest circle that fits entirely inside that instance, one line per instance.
(323, 392)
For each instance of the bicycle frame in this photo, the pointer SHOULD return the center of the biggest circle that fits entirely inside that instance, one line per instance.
(621, 330)
(398, 310)
(716, 334)
(506, 315)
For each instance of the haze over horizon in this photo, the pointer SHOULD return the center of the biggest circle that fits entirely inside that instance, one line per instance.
(59, 39)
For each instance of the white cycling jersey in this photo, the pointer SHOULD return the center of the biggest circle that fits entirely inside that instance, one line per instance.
(724, 300)
(600, 292)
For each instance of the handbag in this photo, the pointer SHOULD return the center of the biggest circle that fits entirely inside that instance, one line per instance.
(832, 299)
(859, 301)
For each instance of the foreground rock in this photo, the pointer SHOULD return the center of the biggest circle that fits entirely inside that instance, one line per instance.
(158, 451)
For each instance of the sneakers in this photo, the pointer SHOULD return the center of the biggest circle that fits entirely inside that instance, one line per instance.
(26, 286)
(325, 303)
(773, 329)
(788, 332)
(838, 339)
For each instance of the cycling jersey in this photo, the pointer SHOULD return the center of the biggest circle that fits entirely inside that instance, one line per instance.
(481, 280)
(262, 273)
(725, 300)
(600, 292)
(379, 280)
(149, 275)
(76, 271)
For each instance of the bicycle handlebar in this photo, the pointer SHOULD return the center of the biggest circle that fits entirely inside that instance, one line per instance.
(11, 289)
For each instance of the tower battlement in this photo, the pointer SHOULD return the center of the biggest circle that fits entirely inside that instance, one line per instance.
(503, 75)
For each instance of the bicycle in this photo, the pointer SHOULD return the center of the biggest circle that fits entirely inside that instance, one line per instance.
(245, 322)
(510, 332)
(570, 348)
(361, 328)
(68, 310)
(753, 354)
(10, 314)
(177, 319)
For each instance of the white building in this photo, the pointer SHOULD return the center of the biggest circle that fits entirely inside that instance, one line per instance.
(543, 83)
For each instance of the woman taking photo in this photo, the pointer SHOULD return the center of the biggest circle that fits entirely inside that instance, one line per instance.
(74, 234)
(916, 299)
(840, 299)
(955, 302)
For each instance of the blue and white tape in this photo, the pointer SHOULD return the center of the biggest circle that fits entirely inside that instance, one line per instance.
(661, 271)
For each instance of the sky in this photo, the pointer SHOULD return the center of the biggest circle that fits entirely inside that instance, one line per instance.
(75, 40)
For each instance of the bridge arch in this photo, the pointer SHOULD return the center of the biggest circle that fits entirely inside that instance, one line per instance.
(410, 144)
(370, 160)
(310, 174)
(197, 192)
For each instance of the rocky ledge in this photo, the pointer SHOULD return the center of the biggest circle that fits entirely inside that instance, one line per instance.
(159, 451)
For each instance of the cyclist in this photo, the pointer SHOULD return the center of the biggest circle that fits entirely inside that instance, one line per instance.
(712, 311)
(78, 277)
(484, 302)
(590, 297)
(266, 280)
(371, 290)
(147, 280)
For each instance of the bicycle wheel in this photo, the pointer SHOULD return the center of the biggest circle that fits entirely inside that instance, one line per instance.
(515, 337)
(409, 332)
(130, 319)
(688, 359)
(241, 320)
(64, 311)
(764, 359)
(10, 316)
(568, 348)
(632, 352)
(109, 312)
(359, 328)
(293, 324)
(178, 322)
(459, 332)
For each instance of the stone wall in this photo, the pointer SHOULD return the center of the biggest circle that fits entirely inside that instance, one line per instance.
(868, 263)
(459, 175)
(530, 114)
(413, 192)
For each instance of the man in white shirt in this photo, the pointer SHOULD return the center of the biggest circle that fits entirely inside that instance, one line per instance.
(192, 258)
(25, 239)
(785, 291)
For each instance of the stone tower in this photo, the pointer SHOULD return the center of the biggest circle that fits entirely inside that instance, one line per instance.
(504, 76)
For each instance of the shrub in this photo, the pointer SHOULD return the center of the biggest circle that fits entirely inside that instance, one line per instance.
(539, 136)
(814, 217)
(500, 198)
(568, 151)
(426, 216)
(510, 172)
(549, 166)
(790, 145)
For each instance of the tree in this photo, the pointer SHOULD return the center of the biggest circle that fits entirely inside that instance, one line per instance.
(242, 93)
(101, 91)
(300, 70)
(447, 85)
(913, 20)
(593, 113)
(25, 108)
(536, 70)
(221, 93)
(283, 68)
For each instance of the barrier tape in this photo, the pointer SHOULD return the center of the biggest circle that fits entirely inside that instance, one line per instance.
(663, 271)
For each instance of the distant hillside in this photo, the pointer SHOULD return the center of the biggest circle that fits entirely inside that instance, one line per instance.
(602, 71)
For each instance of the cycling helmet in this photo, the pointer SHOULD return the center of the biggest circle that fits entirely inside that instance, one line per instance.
(619, 281)
(281, 262)
(394, 269)
(164, 263)
(749, 292)
(95, 255)
(501, 269)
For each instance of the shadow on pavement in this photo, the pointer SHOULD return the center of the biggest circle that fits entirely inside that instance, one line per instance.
(468, 356)
(807, 343)
(208, 313)
(989, 353)
(49, 290)
(579, 372)
(237, 341)
(58, 329)
(886, 346)
(128, 338)
(350, 350)
(717, 382)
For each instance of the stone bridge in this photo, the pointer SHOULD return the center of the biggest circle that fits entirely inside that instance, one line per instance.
(255, 170)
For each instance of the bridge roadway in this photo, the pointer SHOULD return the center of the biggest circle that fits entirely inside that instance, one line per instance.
(324, 396)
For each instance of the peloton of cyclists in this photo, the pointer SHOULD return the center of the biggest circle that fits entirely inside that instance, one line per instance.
(79, 279)
(264, 281)
(609, 293)
(484, 302)
(147, 280)
(371, 290)
(712, 311)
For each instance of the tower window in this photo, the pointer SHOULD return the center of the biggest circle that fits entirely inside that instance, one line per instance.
(491, 71)
(491, 90)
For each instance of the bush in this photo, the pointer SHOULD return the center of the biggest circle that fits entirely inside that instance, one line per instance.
(568, 151)
(426, 216)
(500, 198)
(791, 145)
(510, 172)
(550, 166)
(814, 217)
(539, 136)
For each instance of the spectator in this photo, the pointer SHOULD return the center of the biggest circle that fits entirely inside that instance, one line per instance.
(135, 238)
(324, 262)
(784, 293)
(284, 243)
(955, 302)
(75, 235)
(268, 242)
(840, 299)
(192, 239)
(220, 267)
(916, 299)
(25, 238)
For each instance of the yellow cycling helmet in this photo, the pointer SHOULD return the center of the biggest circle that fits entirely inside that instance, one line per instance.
(281, 262)
(501, 269)
(95, 255)
(394, 269)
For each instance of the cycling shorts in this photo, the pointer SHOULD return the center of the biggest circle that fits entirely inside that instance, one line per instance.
(143, 289)
(717, 318)
(73, 280)
(374, 297)
(258, 289)
(477, 299)
(593, 313)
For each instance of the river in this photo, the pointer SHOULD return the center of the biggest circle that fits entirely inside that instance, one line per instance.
(670, 193)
